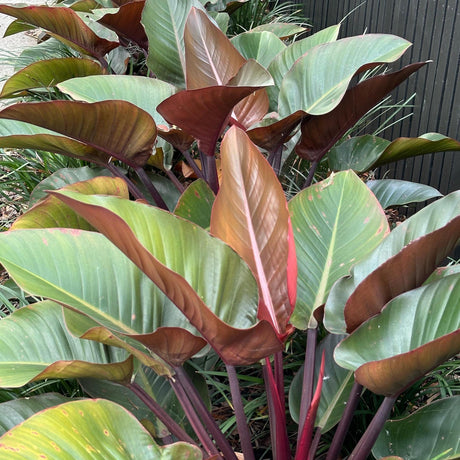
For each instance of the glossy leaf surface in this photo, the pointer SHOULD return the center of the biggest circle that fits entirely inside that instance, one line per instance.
(320, 133)
(36, 345)
(337, 383)
(105, 430)
(386, 358)
(65, 25)
(261, 46)
(393, 192)
(53, 213)
(250, 214)
(430, 432)
(210, 57)
(49, 72)
(164, 23)
(414, 248)
(195, 204)
(145, 93)
(336, 222)
(14, 412)
(318, 80)
(170, 252)
(114, 128)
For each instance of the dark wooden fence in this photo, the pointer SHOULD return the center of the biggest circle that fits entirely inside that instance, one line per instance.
(433, 26)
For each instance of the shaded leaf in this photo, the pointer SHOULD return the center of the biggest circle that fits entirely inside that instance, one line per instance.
(171, 263)
(210, 57)
(428, 433)
(414, 248)
(36, 345)
(250, 214)
(105, 430)
(126, 22)
(65, 25)
(145, 93)
(336, 222)
(51, 212)
(337, 383)
(320, 133)
(63, 177)
(16, 27)
(195, 204)
(261, 46)
(164, 24)
(441, 272)
(113, 128)
(392, 192)
(49, 72)
(14, 412)
(386, 360)
(319, 79)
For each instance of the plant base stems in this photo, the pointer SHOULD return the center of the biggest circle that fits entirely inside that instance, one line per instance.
(364, 446)
(311, 174)
(275, 159)
(175, 181)
(308, 378)
(345, 421)
(314, 444)
(135, 192)
(203, 412)
(151, 188)
(241, 421)
(210, 170)
(192, 164)
(165, 418)
(193, 418)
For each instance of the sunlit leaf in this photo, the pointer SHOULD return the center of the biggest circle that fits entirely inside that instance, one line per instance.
(387, 358)
(51, 212)
(50, 72)
(65, 25)
(393, 192)
(250, 214)
(429, 433)
(282, 30)
(336, 222)
(36, 345)
(105, 430)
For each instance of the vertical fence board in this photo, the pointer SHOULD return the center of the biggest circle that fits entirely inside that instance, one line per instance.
(433, 26)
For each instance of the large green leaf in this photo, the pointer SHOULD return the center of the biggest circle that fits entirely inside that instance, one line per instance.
(118, 302)
(202, 276)
(143, 92)
(250, 214)
(414, 248)
(337, 384)
(195, 204)
(283, 30)
(386, 357)
(51, 212)
(336, 223)
(113, 128)
(261, 46)
(392, 192)
(164, 23)
(49, 72)
(283, 62)
(429, 433)
(14, 412)
(318, 80)
(210, 57)
(64, 24)
(105, 430)
(35, 345)
(367, 152)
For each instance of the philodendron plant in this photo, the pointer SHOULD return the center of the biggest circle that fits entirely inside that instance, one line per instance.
(133, 292)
